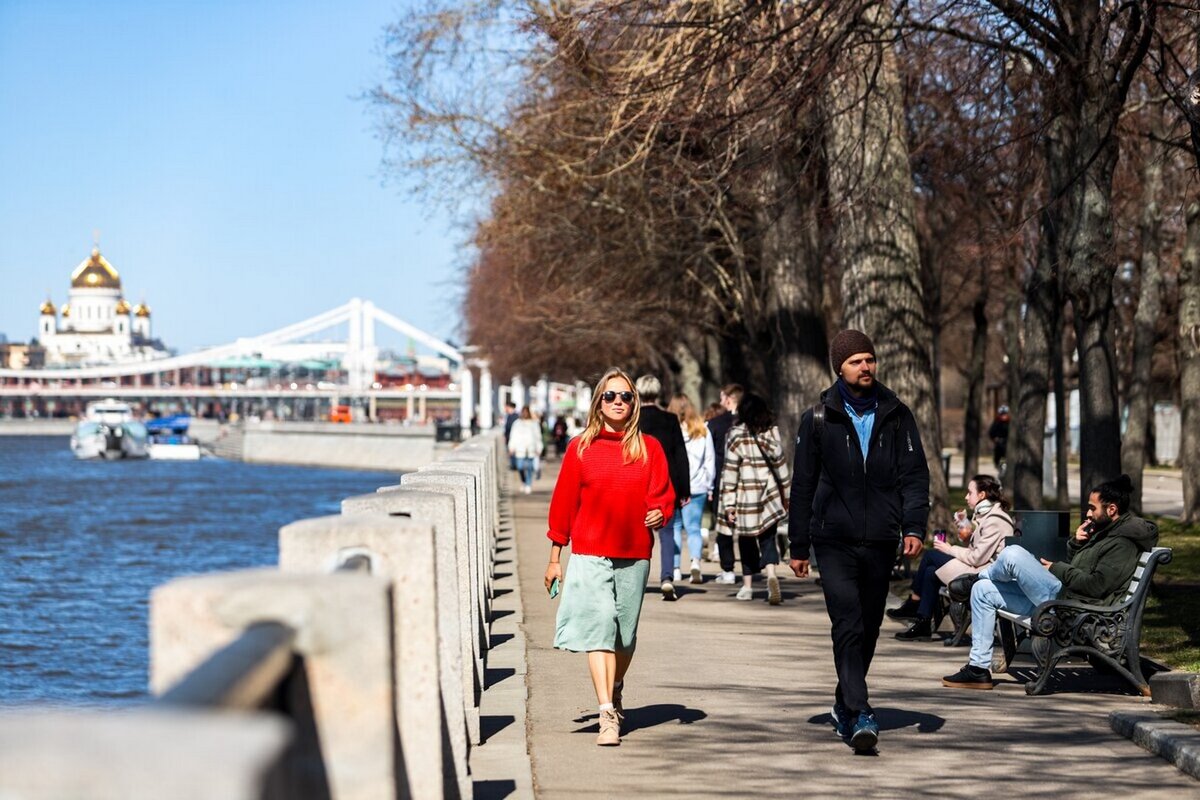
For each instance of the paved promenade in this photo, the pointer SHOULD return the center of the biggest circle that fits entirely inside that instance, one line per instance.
(731, 699)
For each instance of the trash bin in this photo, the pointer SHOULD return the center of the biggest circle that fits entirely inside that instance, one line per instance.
(1043, 533)
(448, 432)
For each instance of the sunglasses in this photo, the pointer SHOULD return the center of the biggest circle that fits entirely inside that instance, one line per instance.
(610, 397)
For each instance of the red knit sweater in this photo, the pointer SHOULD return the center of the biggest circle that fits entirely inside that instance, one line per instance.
(600, 503)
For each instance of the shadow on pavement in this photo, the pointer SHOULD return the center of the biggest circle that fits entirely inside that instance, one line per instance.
(646, 717)
(891, 719)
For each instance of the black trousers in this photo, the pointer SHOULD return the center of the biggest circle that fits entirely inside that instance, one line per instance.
(757, 552)
(855, 579)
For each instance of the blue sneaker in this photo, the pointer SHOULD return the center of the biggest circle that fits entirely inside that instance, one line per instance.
(841, 719)
(866, 733)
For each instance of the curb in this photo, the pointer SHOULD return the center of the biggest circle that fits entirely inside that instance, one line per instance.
(1174, 741)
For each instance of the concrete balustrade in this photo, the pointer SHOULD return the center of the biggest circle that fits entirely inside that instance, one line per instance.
(365, 683)
(343, 640)
(460, 690)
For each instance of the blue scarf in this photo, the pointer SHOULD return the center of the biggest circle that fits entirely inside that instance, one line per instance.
(861, 405)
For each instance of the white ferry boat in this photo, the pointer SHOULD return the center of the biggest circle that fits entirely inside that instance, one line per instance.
(169, 440)
(109, 431)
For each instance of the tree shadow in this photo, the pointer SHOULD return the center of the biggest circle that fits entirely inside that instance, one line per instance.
(893, 719)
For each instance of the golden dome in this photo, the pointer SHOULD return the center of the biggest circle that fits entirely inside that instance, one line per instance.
(123, 306)
(142, 310)
(95, 273)
(66, 310)
(48, 307)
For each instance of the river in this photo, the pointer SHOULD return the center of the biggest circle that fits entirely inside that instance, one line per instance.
(82, 543)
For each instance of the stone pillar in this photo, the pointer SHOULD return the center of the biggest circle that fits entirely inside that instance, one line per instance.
(421, 408)
(343, 627)
(467, 408)
(518, 392)
(542, 404)
(583, 399)
(487, 399)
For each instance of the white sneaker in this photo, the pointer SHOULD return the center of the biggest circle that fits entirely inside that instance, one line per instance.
(726, 578)
(697, 576)
(678, 576)
(745, 593)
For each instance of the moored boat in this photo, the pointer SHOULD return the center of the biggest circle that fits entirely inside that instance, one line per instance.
(169, 440)
(109, 431)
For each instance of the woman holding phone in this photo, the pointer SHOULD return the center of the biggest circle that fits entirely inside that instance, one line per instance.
(982, 536)
(612, 493)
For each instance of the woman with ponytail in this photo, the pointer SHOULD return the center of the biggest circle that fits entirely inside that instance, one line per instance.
(612, 493)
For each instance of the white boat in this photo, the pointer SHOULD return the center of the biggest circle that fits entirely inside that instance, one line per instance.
(109, 431)
(169, 440)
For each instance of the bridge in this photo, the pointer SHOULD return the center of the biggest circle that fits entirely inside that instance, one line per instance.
(235, 377)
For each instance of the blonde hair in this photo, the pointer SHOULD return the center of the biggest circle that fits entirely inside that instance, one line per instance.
(633, 446)
(682, 407)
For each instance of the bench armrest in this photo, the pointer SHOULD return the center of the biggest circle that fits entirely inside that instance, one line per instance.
(1053, 616)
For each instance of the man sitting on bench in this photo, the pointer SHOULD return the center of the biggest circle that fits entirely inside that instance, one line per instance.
(1104, 554)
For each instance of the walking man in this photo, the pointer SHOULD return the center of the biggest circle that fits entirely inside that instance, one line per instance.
(664, 426)
(860, 483)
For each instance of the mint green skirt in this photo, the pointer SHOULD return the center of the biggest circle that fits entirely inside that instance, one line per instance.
(600, 604)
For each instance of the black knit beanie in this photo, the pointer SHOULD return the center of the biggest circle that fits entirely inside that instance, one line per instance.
(846, 344)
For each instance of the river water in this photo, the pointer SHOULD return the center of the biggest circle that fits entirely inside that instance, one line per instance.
(82, 543)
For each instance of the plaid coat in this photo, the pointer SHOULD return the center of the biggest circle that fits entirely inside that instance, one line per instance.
(748, 485)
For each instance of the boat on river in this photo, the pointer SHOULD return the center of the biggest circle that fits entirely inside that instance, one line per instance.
(108, 431)
(169, 440)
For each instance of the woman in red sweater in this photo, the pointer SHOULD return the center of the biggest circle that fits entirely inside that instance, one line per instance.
(613, 491)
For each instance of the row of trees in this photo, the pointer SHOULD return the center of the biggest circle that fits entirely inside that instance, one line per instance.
(709, 189)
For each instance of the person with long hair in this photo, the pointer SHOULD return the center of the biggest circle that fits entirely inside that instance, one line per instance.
(702, 470)
(613, 492)
(754, 493)
(525, 446)
(983, 535)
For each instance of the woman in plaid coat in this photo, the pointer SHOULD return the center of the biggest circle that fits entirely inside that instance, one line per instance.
(755, 485)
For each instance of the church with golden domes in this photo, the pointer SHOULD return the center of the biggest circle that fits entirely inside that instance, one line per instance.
(97, 325)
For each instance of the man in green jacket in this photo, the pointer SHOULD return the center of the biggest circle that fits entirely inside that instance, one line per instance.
(1104, 554)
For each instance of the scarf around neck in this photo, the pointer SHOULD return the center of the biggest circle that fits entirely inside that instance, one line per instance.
(861, 405)
(981, 509)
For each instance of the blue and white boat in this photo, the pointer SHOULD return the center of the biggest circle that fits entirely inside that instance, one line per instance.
(169, 439)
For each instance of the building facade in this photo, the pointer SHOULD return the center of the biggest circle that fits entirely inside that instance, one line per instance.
(97, 325)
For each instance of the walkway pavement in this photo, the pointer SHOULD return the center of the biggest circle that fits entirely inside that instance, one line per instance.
(731, 699)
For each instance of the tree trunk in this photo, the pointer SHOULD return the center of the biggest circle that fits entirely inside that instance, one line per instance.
(976, 375)
(1189, 364)
(1062, 426)
(1026, 441)
(1134, 446)
(791, 255)
(1012, 347)
(871, 190)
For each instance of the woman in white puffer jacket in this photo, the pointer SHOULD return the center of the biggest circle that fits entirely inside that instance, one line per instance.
(525, 445)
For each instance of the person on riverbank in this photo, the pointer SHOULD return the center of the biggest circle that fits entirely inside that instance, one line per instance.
(983, 536)
(702, 470)
(1103, 555)
(663, 426)
(754, 493)
(613, 491)
(525, 447)
(860, 484)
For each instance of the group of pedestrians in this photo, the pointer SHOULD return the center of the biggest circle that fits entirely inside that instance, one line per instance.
(857, 495)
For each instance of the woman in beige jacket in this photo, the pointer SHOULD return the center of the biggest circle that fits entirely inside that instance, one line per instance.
(983, 536)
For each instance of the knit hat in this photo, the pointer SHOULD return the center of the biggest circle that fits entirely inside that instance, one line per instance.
(846, 344)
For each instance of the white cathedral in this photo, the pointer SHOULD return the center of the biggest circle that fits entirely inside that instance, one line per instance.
(98, 326)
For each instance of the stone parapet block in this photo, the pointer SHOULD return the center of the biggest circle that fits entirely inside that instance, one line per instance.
(1174, 741)
(344, 681)
(143, 755)
(1179, 689)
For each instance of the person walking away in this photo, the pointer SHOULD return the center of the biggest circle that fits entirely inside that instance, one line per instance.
(560, 435)
(719, 426)
(860, 483)
(754, 493)
(525, 446)
(998, 433)
(510, 418)
(612, 492)
(702, 470)
(983, 536)
(664, 427)
(1103, 555)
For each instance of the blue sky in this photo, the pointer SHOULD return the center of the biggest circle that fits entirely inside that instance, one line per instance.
(223, 153)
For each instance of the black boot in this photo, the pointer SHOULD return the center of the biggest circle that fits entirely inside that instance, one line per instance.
(960, 588)
(906, 610)
(921, 629)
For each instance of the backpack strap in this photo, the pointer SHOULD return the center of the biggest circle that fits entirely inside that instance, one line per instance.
(818, 421)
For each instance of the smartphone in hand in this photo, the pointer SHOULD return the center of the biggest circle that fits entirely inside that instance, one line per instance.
(554, 587)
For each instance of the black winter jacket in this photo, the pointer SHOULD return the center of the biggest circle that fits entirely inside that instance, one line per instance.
(719, 426)
(664, 426)
(835, 497)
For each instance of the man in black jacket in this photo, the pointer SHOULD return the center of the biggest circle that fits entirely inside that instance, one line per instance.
(860, 483)
(664, 426)
(719, 426)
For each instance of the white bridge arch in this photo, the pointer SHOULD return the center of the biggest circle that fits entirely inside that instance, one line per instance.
(358, 357)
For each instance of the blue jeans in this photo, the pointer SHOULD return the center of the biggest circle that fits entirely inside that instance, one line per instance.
(689, 518)
(525, 467)
(1017, 582)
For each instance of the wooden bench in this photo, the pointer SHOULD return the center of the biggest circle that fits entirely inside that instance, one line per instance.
(1108, 634)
